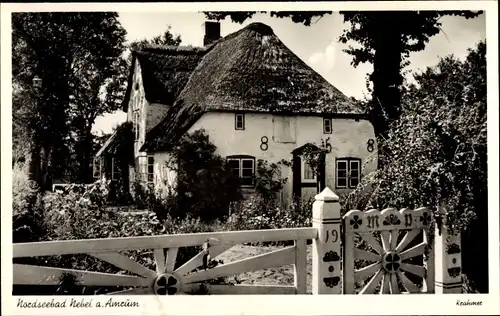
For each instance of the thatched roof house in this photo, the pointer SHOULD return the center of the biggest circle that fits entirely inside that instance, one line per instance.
(250, 70)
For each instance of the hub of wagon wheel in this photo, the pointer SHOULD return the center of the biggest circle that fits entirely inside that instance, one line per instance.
(166, 284)
(391, 261)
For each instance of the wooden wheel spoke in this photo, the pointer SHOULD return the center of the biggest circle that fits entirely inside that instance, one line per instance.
(394, 284)
(134, 291)
(414, 269)
(367, 271)
(384, 236)
(385, 287)
(409, 285)
(197, 260)
(171, 257)
(159, 260)
(264, 261)
(361, 254)
(372, 284)
(414, 251)
(28, 274)
(394, 239)
(125, 263)
(410, 235)
(372, 242)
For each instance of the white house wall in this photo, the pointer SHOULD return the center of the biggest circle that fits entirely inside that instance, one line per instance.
(349, 138)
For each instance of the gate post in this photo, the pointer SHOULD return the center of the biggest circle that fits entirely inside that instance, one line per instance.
(326, 261)
(448, 261)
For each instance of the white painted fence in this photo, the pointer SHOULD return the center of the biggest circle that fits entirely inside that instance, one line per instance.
(387, 237)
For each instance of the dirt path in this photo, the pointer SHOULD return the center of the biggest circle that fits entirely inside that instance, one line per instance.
(275, 276)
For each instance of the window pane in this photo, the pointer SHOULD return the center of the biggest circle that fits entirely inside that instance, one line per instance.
(239, 121)
(342, 173)
(247, 181)
(354, 173)
(353, 182)
(308, 172)
(233, 164)
(342, 164)
(247, 172)
(327, 125)
(341, 182)
(354, 164)
(247, 163)
(151, 160)
(150, 177)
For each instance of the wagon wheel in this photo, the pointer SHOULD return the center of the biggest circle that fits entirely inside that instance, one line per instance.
(165, 280)
(388, 268)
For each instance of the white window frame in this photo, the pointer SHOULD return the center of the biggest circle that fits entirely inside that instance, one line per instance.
(97, 165)
(242, 115)
(349, 165)
(240, 168)
(325, 131)
(303, 173)
(136, 125)
(148, 180)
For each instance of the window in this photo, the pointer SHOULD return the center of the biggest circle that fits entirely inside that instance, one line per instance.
(136, 125)
(115, 172)
(239, 121)
(348, 172)
(151, 169)
(327, 126)
(243, 168)
(97, 167)
(307, 172)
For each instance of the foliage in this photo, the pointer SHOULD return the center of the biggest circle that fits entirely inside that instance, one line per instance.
(305, 17)
(268, 180)
(204, 186)
(81, 213)
(436, 154)
(250, 214)
(386, 39)
(165, 39)
(78, 58)
(27, 213)
(314, 156)
(122, 151)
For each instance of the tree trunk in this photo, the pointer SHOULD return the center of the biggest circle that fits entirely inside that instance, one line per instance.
(386, 76)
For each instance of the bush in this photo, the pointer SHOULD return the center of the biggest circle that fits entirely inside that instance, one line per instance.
(205, 187)
(27, 212)
(435, 155)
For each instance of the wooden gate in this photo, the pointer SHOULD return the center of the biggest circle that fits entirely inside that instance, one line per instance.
(379, 250)
(387, 252)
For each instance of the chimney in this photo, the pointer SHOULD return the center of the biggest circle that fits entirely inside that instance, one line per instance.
(212, 32)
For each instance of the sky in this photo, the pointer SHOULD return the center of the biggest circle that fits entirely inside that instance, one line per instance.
(317, 45)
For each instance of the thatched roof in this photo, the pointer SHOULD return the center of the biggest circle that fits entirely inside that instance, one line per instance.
(249, 70)
(165, 71)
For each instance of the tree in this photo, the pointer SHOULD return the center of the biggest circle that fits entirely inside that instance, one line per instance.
(386, 39)
(165, 39)
(437, 155)
(75, 55)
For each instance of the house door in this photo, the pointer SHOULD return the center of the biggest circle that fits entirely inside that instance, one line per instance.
(306, 181)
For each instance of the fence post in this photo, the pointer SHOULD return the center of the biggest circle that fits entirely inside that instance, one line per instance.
(448, 261)
(326, 262)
